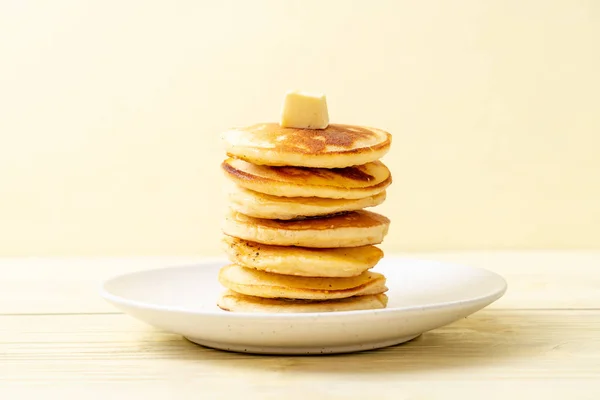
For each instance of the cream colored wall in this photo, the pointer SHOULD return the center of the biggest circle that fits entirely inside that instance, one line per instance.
(110, 113)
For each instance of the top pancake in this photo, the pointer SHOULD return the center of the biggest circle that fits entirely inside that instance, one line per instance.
(336, 146)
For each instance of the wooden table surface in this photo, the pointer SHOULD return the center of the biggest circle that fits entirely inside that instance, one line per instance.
(541, 340)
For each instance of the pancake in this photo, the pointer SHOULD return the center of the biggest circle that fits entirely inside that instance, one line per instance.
(260, 205)
(342, 183)
(236, 302)
(302, 261)
(267, 285)
(353, 229)
(336, 146)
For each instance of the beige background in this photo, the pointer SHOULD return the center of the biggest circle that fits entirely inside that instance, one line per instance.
(110, 113)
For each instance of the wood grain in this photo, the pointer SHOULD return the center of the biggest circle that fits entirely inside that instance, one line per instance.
(114, 354)
(536, 280)
(59, 339)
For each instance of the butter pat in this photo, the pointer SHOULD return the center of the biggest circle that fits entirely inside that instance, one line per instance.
(305, 111)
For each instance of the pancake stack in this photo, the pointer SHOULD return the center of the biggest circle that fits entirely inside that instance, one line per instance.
(297, 233)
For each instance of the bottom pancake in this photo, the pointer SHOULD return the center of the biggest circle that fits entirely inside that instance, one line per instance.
(236, 302)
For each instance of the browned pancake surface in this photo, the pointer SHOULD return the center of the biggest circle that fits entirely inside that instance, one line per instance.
(354, 219)
(336, 138)
(360, 176)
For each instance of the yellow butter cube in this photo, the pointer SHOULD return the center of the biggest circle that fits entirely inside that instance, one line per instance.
(305, 111)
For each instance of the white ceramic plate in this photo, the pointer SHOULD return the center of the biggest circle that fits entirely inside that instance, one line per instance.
(423, 295)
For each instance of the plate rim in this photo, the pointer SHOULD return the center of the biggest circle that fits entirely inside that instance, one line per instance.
(114, 299)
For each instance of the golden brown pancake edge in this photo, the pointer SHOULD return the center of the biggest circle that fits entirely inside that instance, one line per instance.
(351, 219)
